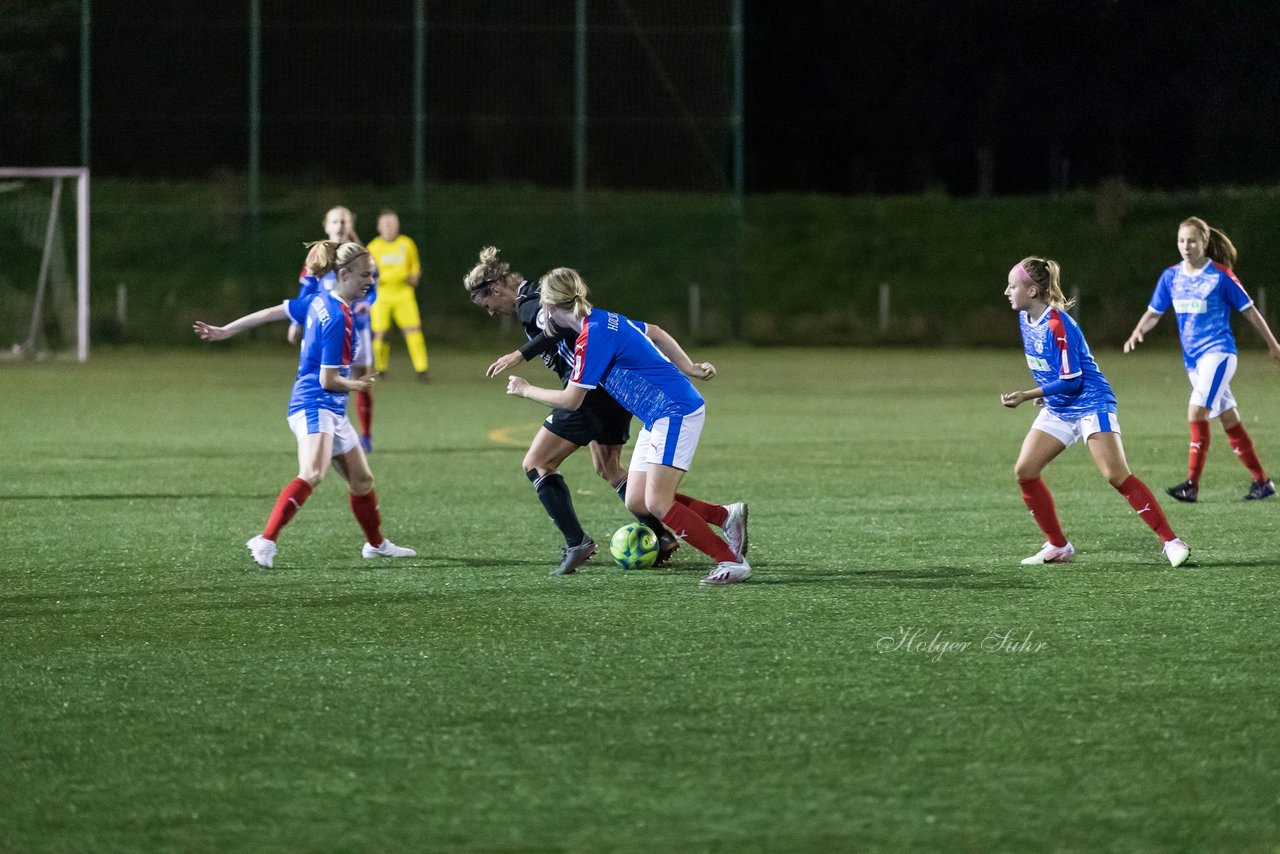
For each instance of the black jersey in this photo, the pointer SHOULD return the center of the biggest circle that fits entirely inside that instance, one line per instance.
(556, 353)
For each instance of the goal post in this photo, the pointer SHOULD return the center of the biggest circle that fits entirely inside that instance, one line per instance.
(49, 238)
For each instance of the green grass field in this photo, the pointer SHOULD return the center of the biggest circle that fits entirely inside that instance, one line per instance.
(159, 693)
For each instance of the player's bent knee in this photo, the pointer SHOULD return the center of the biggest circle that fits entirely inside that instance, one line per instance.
(1024, 471)
(538, 464)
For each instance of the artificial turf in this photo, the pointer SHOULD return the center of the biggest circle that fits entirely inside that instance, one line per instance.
(159, 692)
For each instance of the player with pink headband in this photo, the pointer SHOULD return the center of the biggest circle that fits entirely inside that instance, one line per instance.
(1077, 404)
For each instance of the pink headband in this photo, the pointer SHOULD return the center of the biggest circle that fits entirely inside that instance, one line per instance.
(1021, 272)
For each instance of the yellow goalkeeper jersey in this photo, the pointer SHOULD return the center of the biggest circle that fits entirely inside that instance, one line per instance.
(397, 261)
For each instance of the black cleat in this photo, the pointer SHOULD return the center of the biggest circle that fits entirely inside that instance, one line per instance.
(1260, 489)
(1187, 491)
(575, 557)
(667, 546)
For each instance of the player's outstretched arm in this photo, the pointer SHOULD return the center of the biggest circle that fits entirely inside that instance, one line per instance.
(504, 363)
(219, 333)
(569, 397)
(1260, 323)
(671, 348)
(1146, 323)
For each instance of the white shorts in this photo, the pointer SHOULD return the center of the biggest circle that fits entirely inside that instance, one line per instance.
(309, 421)
(1211, 382)
(670, 442)
(1067, 432)
(362, 357)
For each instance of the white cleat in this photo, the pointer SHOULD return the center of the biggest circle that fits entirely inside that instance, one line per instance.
(727, 573)
(1051, 554)
(1176, 551)
(386, 549)
(735, 529)
(263, 550)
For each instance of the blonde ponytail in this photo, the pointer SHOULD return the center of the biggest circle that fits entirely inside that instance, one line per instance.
(1047, 274)
(564, 289)
(325, 256)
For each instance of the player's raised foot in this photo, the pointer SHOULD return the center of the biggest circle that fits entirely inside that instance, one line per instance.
(727, 572)
(1260, 489)
(366, 442)
(1176, 551)
(575, 556)
(667, 545)
(1050, 553)
(735, 529)
(424, 376)
(386, 549)
(1186, 491)
(263, 550)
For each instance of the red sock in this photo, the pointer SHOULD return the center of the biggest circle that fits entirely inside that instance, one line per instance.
(366, 509)
(364, 411)
(1243, 446)
(1197, 451)
(1040, 502)
(691, 528)
(1141, 500)
(291, 498)
(713, 513)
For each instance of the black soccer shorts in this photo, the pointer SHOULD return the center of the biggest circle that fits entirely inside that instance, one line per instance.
(600, 418)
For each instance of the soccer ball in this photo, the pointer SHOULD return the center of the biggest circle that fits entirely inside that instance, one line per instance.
(634, 546)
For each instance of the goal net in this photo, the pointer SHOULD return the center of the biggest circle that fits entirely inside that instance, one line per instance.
(44, 282)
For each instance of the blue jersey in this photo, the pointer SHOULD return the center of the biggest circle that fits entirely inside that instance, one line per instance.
(328, 341)
(1203, 303)
(1056, 350)
(309, 284)
(613, 351)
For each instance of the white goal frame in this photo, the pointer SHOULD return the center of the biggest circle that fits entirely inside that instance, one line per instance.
(82, 242)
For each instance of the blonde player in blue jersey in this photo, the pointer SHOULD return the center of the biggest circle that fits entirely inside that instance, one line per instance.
(600, 423)
(1077, 404)
(340, 226)
(620, 355)
(317, 407)
(1203, 291)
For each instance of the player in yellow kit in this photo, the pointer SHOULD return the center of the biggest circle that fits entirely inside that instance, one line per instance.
(399, 273)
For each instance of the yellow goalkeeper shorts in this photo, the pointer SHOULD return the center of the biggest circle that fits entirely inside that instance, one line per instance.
(400, 306)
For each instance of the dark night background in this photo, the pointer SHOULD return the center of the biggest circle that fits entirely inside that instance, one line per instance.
(842, 96)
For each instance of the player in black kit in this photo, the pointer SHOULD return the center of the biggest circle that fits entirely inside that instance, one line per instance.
(600, 424)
